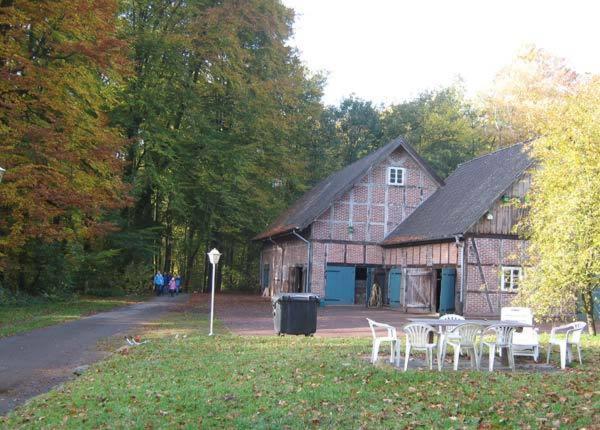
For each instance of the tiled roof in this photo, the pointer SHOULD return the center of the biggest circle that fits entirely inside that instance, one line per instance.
(316, 201)
(467, 194)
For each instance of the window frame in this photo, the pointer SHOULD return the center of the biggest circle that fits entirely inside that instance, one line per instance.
(504, 286)
(396, 169)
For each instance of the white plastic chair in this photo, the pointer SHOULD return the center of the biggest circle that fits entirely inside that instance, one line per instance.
(450, 317)
(463, 337)
(391, 337)
(525, 343)
(565, 337)
(417, 339)
(446, 331)
(496, 337)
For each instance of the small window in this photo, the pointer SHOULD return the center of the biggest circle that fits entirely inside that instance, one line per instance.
(511, 278)
(396, 175)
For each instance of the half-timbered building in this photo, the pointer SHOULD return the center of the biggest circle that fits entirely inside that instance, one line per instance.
(329, 241)
(433, 245)
(459, 251)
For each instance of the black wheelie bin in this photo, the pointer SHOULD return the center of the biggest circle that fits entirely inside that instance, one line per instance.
(295, 313)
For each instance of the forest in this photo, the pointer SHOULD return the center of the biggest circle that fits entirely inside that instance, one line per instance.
(138, 134)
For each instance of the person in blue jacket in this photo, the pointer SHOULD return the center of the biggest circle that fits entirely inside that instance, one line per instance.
(159, 282)
(178, 283)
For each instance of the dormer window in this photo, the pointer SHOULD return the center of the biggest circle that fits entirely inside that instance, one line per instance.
(396, 175)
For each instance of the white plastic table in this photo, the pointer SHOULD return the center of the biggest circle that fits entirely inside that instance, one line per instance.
(434, 322)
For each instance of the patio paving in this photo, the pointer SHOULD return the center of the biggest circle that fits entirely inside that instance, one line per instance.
(247, 314)
(252, 315)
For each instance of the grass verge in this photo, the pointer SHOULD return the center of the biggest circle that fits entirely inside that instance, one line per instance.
(229, 381)
(15, 319)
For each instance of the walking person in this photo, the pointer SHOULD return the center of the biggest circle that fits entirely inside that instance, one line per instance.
(158, 283)
(172, 286)
(167, 281)
(178, 283)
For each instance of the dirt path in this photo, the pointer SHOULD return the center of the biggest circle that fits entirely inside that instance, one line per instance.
(34, 362)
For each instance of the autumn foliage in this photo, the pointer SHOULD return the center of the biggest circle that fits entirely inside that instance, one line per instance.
(138, 134)
(59, 69)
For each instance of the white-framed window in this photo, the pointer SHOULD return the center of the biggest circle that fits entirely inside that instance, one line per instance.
(396, 175)
(510, 278)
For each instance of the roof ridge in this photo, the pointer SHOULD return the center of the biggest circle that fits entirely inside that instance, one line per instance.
(491, 153)
(313, 202)
(347, 167)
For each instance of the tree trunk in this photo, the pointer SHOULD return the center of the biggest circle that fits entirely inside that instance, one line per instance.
(192, 249)
(219, 276)
(207, 268)
(21, 284)
(588, 308)
(169, 244)
(230, 264)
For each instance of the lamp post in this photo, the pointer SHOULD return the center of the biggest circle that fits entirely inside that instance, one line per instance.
(213, 256)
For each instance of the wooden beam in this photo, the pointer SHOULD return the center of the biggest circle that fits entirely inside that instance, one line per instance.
(345, 242)
(487, 290)
(444, 254)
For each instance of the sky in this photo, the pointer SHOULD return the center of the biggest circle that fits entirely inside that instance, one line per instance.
(388, 51)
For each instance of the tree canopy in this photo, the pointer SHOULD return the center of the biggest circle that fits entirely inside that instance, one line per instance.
(60, 64)
(442, 125)
(563, 225)
(138, 134)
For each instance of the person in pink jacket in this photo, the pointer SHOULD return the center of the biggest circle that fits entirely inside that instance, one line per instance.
(172, 286)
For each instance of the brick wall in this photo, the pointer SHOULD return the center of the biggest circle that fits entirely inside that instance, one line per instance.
(494, 253)
(317, 279)
(372, 207)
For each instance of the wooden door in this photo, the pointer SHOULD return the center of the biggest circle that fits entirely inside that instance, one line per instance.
(448, 290)
(339, 285)
(419, 284)
(395, 287)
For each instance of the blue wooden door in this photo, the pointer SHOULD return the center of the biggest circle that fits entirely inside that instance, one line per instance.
(395, 287)
(447, 291)
(339, 285)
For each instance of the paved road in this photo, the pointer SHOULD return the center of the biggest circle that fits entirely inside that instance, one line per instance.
(34, 362)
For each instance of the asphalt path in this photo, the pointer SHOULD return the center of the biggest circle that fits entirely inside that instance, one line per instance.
(34, 362)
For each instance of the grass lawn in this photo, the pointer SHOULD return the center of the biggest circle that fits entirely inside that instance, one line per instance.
(16, 319)
(296, 382)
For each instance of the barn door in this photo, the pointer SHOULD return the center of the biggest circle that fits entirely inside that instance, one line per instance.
(395, 287)
(447, 291)
(418, 288)
(339, 285)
